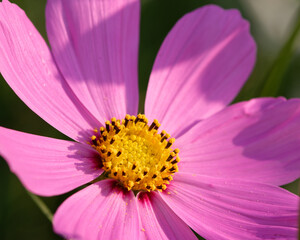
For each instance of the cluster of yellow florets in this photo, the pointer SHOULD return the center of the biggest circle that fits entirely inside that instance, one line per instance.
(135, 154)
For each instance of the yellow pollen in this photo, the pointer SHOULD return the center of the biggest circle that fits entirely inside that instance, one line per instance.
(135, 154)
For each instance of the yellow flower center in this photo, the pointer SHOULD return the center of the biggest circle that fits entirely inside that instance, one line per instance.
(135, 154)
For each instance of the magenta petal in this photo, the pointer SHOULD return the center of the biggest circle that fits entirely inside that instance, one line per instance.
(95, 44)
(201, 66)
(48, 166)
(159, 221)
(100, 211)
(27, 65)
(256, 140)
(233, 209)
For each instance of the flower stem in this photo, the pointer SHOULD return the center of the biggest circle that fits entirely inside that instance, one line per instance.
(42, 206)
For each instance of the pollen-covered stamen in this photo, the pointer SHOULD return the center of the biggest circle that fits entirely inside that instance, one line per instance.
(133, 153)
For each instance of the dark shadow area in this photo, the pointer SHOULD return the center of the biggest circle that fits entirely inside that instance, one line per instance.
(185, 129)
(87, 159)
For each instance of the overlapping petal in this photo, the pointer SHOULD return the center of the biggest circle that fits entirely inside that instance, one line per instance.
(256, 140)
(100, 211)
(233, 209)
(95, 44)
(159, 221)
(201, 66)
(48, 166)
(27, 65)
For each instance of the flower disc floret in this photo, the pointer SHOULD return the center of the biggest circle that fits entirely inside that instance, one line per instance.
(135, 154)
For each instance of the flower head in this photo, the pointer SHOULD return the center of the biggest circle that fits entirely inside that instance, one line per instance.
(232, 157)
(135, 155)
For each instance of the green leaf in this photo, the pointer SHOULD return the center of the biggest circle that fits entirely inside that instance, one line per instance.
(275, 75)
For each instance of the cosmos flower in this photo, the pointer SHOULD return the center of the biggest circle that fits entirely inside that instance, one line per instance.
(191, 162)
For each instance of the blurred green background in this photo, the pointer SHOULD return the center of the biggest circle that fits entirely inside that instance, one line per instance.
(274, 24)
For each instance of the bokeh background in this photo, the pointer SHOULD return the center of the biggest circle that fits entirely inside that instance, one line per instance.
(274, 25)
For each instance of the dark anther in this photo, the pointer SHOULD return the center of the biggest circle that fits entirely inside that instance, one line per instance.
(163, 138)
(123, 173)
(115, 173)
(174, 161)
(117, 129)
(107, 127)
(172, 169)
(103, 150)
(133, 167)
(118, 154)
(154, 176)
(113, 122)
(166, 178)
(104, 137)
(169, 144)
(151, 126)
(126, 122)
(159, 187)
(145, 173)
(148, 187)
(156, 127)
(108, 153)
(95, 141)
(138, 179)
(170, 158)
(137, 119)
(163, 169)
(112, 140)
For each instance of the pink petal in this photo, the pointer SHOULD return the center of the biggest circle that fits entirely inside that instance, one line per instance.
(159, 221)
(256, 140)
(100, 211)
(201, 66)
(27, 65)
(233, 209)
(95, 44)
(48, 166)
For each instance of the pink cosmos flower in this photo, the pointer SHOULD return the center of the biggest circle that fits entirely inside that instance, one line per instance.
(233, 158)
